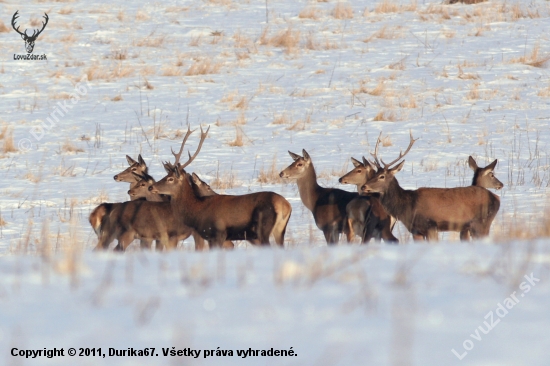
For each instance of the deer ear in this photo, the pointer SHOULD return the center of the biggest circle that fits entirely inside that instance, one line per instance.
(492, 165)
(356, 162)
(130, 160)
(397, 168)
(305, 154)
(141, 161)
(195, 178)
(472, 163)
(294, 156)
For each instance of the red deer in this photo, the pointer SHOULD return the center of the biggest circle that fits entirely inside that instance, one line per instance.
(126, 175)
(426, 211)
(365, 215)
(140, 219)
(201, 189)
(328, 205)
(483, 177)
(216, 218)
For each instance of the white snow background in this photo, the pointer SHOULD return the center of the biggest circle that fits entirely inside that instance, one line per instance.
(271, 76)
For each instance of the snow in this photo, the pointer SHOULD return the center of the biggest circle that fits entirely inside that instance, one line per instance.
(461, 78)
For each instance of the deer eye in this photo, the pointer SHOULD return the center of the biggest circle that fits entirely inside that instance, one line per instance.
(359, 171)
(133, 169)
(170, 179)
(300, 164)
(381, 177)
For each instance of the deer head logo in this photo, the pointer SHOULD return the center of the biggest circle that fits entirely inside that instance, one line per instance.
(29, 40)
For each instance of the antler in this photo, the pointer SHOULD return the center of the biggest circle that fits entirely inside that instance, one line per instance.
(375, 155)
(43, 25)
(401, 154)
(191, 158)
(13, 19)
(178, 155)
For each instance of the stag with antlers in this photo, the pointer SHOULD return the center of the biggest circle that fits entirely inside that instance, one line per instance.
(29, 40)
(427, 211)
(218, 218)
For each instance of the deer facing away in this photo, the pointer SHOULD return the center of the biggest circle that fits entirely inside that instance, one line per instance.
(426, 211)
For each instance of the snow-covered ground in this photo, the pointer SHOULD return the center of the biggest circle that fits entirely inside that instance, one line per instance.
(270, 76)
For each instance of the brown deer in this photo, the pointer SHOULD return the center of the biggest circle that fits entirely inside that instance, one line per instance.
(201, 189)
(127, 175)
(328, 205)
(483, 177)
(216, 218)
(140, 219)
(426, 211)
(365, 215)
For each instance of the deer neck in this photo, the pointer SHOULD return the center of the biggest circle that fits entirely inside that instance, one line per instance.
(155, 197)
(186, 205)
(308, 188)
(399, 203)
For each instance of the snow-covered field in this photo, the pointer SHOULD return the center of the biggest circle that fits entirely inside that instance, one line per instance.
(270, 76)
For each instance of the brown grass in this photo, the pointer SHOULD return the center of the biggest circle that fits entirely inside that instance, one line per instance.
(69, 38)
(281, 119)
(386, 33)
(6, 135)
(150, 41)
(171, 71)
(3, 28)
(141, 15)
(117, 98)
(287, 39)
(204, 67)
(379, 89)
(310, 12)
(385, 115)
(65, 11)
(389, 6)
(238, 138)
(342, 11)
(534, 59)
(271, 174)
(68, 147)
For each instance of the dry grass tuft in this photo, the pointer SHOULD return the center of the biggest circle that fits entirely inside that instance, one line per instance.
(385, 115)
(238, 142)
(242, 104)
(141, 15)
(6, 135)
(282, 119)
(3, 222)
(171, 71)
(386, 33)
(389, 6)
(150, 41)
(287, 39)
(69, 38)
(310, 12)
(534, 59)
(379, 89)
(204, 67)
(66, 11)
(68, 147)
(3, 28)
(117, 98)
(342, 11)
(271, 174)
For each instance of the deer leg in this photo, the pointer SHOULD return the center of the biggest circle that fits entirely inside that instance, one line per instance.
(228, 245)
(432, 234)
(124, 240)
(465, 234)
(331, 234)
(418, 237)
(387, 234)
(200, 244)
(145, 244)
(350, 233)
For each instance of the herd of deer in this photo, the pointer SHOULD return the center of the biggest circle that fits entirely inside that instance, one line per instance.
(182, 205)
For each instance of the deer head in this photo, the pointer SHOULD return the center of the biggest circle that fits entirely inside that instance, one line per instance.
(29, 40)
(385, 175)
(361, 172)
(177, 176)
(127, 175)
(484, 177)
(299, 168)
